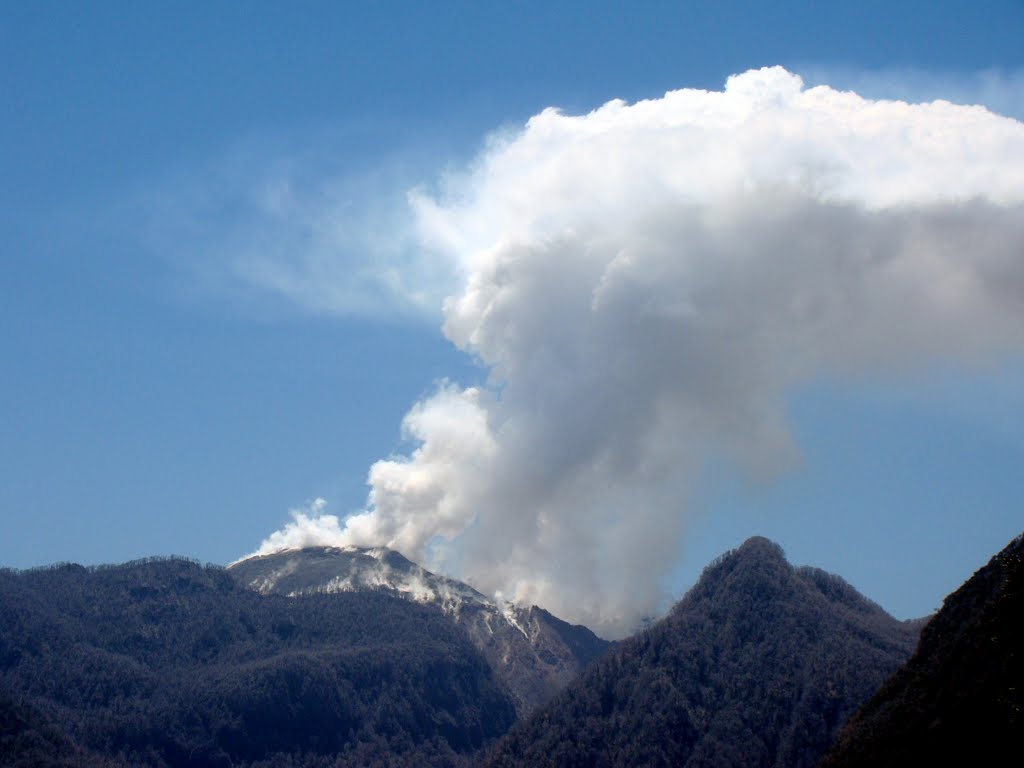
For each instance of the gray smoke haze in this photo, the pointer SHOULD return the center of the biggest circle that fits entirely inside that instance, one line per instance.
(645, 283)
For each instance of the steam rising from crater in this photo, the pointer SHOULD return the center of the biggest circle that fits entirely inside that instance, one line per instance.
(645, 283)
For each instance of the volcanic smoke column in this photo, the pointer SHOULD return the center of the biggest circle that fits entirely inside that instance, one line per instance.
(646, 282)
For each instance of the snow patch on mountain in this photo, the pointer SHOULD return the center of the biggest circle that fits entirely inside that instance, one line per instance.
(375, 568)
(532, 652)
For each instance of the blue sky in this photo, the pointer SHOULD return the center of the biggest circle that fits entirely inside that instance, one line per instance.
(152, 404)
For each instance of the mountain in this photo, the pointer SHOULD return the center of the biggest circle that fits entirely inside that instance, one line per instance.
(758, 665)
(166, 663)
(355, 657)
(958, 701)
(532, 652)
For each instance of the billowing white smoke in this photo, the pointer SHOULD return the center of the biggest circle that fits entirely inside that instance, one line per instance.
(646, 281)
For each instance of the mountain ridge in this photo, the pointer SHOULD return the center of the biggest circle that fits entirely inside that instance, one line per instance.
(758, 665)
(534, 653)
(169, 664)
(958, 700)
(164, 662)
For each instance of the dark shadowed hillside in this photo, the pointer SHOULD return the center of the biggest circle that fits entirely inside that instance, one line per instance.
(759, 665)
(29, 740)
(958, 700)
(166, 663)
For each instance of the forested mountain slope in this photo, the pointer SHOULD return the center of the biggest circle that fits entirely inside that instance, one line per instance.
(166, 663)
(958, 700)
(758, 665)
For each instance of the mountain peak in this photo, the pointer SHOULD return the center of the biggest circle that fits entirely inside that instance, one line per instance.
(759, 546)
(758, 570)
(353, 569)
(531, 651)
(758, 664)
(754, 558)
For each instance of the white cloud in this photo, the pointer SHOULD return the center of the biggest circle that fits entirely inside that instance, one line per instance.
(1001, 91)
(646, 281)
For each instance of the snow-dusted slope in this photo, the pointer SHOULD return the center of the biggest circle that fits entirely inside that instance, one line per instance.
(352, 569)
(534, 653)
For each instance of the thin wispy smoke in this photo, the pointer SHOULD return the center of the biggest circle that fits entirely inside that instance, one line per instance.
(646, 282)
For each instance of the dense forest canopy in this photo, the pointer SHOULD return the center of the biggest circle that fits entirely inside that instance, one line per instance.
(959, 700)
(166, 663)
(163, 662)
(759, 665)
